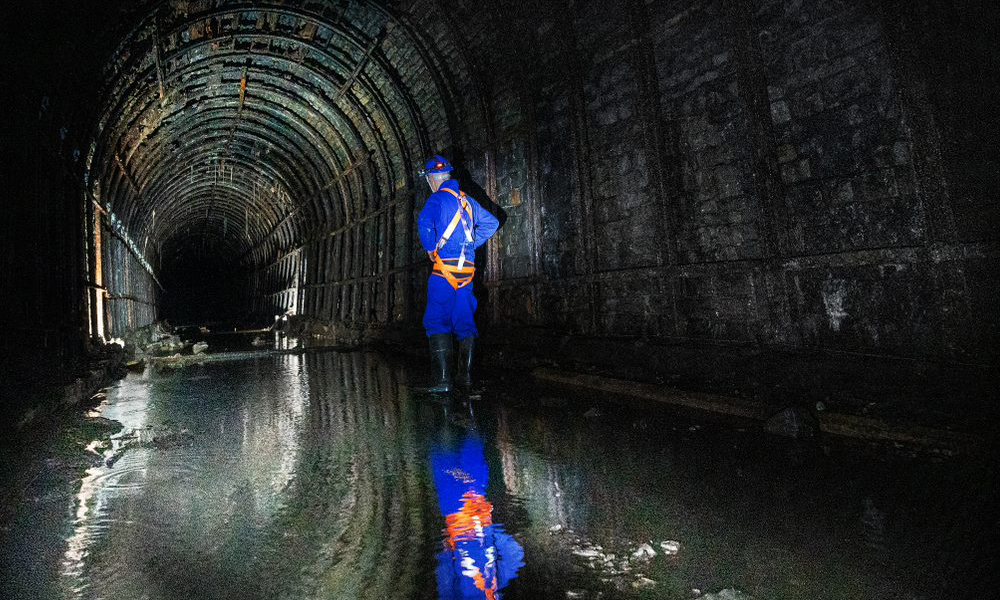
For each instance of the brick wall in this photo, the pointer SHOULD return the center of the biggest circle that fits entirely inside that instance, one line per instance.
(730, 172)
(759, 174)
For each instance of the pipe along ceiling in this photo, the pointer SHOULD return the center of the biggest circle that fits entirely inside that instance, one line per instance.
(230, 132)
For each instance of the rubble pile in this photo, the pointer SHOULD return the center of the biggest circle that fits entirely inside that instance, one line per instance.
(622, 565)
(159, 344)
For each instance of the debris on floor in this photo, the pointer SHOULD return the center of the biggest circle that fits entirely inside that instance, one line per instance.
(727, 594)
(794, 422)
(619, 564)
(162, 437)
(644, 552)
(177, 361)
(670, 547)
(643, 583)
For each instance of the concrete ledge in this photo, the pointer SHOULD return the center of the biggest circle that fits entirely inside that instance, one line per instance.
(914, 435)
(854, 426)
(699, 401)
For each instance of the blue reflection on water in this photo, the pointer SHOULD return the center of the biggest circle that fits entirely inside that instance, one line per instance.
(479, 558)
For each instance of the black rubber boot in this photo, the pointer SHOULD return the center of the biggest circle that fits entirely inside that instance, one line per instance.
(442, 351)
(466, 352)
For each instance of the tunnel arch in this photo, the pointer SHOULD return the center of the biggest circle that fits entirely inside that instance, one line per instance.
(247, 130)
(685, 175)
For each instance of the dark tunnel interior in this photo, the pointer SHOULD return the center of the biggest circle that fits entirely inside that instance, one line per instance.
(706, 187)
(762, 207)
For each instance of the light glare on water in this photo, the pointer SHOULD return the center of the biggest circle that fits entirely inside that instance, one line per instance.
(323, 475)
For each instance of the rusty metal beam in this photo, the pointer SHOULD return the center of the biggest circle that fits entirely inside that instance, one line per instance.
(117, 229)
(227, 147)
(128, 176)
(159, 63)
(352, 78)
(334, 181)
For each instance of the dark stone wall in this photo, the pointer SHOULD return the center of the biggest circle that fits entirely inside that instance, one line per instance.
(768, 173)
(40, 254)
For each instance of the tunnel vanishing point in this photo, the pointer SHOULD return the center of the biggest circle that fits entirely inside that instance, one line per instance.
(788, 200)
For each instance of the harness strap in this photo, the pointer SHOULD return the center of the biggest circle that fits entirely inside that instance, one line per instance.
(448, 271)
(467, 224)
(444, 269)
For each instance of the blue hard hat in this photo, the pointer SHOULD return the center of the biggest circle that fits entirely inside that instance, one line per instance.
(437, 164)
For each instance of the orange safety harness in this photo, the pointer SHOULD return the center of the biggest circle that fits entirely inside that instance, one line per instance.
(450, 267)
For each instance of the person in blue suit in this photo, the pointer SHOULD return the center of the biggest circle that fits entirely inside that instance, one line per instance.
(452, 225)
(479, 558)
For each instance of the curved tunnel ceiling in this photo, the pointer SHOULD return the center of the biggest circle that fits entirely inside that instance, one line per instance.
(238, 128)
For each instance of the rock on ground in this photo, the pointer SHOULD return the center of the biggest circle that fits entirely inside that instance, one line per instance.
(726, 594)
(794, 421)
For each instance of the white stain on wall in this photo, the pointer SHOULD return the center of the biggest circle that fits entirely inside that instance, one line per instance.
(834, 301)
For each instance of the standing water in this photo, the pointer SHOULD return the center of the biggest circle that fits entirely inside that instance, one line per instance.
(323, 475)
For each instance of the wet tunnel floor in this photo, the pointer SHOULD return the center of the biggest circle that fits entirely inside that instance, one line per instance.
(323, 475)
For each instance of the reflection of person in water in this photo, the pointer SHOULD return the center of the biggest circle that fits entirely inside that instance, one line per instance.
(479, 557)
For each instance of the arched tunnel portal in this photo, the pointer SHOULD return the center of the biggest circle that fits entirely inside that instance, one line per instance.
(261, 157)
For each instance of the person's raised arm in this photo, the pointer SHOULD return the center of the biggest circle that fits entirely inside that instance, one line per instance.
(486, 224)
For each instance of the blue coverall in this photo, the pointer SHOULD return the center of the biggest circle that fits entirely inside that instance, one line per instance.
(450, 310)
(478, 562)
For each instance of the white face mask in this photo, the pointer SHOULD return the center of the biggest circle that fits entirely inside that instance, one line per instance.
(434, 180)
